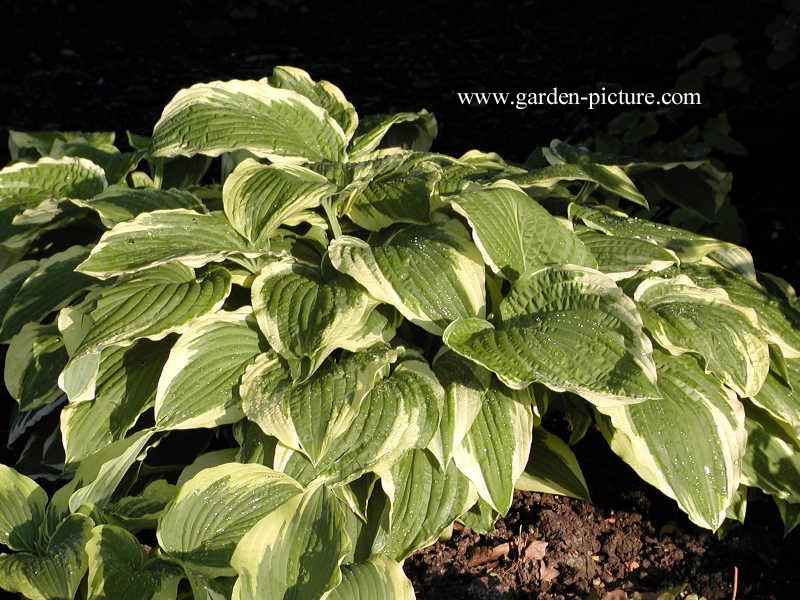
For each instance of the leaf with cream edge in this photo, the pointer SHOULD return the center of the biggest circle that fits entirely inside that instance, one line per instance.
(778, 318)
(120, 568)
(621, 257)
(120, 203)
(215, 508)
(163, 236)
(772, 458)
(378, 577)
(781, 398)
(222, 116)
(53, 570)
(49, 178)
(514, 233)
(684, 317)
(322, 93)
(295, 552)
(432, 274)
(260, 198)
(688, 246)
(570, 328)
(494, 451)
(553, 468)
(24, 503)
(689, 443)
(305, 315)
(125, 388)
(412, 131)
(200, 380)
(425, 499)
(150, 305)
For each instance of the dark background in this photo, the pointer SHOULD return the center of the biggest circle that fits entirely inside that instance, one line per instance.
(87, 65)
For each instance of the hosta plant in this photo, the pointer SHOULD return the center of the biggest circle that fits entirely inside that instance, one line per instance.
(274, 349)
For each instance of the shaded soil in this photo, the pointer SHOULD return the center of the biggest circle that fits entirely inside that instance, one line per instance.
(631, 540)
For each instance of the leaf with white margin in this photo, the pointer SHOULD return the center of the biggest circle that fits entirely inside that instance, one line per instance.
(223, 116)
(34, 359)
(53, 285)
(684, 317)
(309, 415)
(295, 552)
(260, 198)
(611, 177)
(393, 189)
(552, 468)
(120, 203)
(215, 508)
(125, 388)
(776, 315)
(425, 499)
(120, 568)
(570, 328)
(305, 316)
(772, 457)
(514, 233)
(162, 236)
(54, 570)
(24, 504)
(690, 247)
(100, 473)
(494, 451)
(432, 274)
(413, 131)
(689, 443)
(465, 386)
(781, 398)
(51, 178)
(322, 93)
(200, 380)
(621, 257)
(379, 577)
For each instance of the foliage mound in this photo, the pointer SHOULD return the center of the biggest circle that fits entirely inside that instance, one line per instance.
(273, 349)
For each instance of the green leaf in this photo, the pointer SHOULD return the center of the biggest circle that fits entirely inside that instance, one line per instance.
(322, 93)
(34, 359)
(199, 383)
(413, 131)
(260, 198)
(689, 443)
(222, 116)
(100, 473)
(215, 508)
(621, 257)
(32, 144)
(379, 577)
(11, 280)
(495, 449)
(55, 571)
(610, 177)
(781, 397)
(552, 468)
(425, 500)
(295, 552)
(570, 328)
(120, 203)
(432, 274)
(50, 178)
(514, 233)
(125, 388)
(53, 285)
(24, 504)
(684, 317)
(162, 236)
(690, 247)
(772, 458)
(779, 320)
(143, 510)
(393, 189)
(305, 316)
(119, 568)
